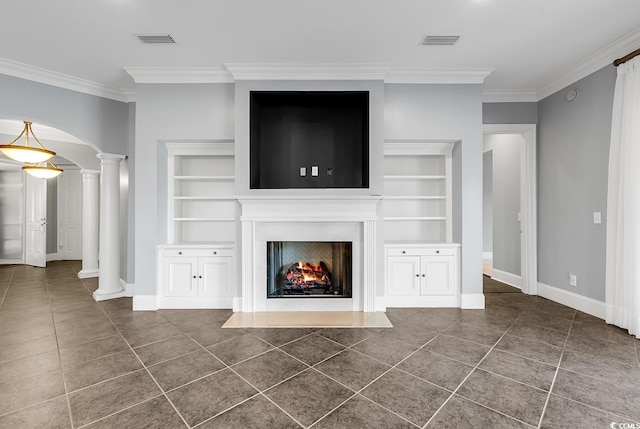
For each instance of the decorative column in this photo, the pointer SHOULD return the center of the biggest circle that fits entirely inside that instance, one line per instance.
(90, 223)
(109, 285)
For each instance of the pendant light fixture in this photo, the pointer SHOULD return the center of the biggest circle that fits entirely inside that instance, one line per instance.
(42, 170)
(26, 153)
(36, 159)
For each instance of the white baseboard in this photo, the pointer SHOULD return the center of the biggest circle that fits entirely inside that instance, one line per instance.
(129, 288)
(573, 300)
(88, 274)
(52, 257)
(145, 303)
(380, 304)
(472, 301)
(236, 304)
(507, 278)
(423, 301)
(194, 302)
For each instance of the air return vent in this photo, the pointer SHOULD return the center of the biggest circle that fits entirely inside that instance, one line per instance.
(154, 38)
(439, 40)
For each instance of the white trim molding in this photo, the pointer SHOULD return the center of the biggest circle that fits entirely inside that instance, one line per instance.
(129, 288)
(507, 278)
(145, 303)
(53, 257)
(570, 299)
(48, 77)
(509, 96)
(279, 71)
(423, 75)
(472, 301)
(179, 74)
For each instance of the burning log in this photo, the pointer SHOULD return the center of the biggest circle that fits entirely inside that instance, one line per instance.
(307, 276)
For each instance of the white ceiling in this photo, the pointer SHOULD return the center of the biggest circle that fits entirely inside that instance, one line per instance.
(531, 47)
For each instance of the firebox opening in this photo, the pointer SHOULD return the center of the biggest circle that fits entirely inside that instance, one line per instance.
(316, 269)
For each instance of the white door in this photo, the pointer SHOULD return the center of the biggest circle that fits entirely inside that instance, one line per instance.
(181, 276)
(70, 215)
(36, 222)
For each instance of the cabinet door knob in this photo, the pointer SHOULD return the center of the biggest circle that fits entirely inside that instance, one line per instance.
(403, 252)
(423, 275)
(437, 251)
(199, 277)
(215, 253)
(179, 253)
(194, 277)
(417, 275)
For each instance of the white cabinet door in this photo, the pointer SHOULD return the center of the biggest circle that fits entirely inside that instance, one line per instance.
(214, 276)
(181, 276)
(437, 275)
(403, 275)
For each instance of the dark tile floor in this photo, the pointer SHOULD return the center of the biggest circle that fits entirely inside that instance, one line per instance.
(67, 361)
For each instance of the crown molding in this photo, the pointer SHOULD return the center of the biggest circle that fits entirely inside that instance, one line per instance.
(48, 77)
(421, 75)
(308, 71)
(601, 59)
(509, 96)
(179, 74)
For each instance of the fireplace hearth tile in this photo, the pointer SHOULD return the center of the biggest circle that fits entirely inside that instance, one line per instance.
(308, 319)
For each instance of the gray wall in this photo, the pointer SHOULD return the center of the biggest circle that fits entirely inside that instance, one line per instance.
(510, 113)
(448, 113)
(100, 122)
(505, 149)
(573, 154)
(187, 112)
(487, 201)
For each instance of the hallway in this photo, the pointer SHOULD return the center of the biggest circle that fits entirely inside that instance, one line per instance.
(67, 361)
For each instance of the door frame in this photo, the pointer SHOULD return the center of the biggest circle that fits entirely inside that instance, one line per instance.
(528, 202)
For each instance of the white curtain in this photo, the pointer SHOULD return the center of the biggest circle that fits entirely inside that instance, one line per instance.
(622, 287)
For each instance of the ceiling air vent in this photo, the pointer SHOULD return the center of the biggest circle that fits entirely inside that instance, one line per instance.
(155, 38)
(439, 40)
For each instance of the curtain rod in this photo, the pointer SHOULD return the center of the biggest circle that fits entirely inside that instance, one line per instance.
(626, 57)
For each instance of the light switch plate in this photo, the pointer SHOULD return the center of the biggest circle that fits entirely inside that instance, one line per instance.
(597, 217)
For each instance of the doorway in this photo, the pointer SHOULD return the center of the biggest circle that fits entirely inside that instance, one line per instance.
(522, 221)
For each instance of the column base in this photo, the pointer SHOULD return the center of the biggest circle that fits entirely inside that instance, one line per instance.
(88, 274)
(103, 296)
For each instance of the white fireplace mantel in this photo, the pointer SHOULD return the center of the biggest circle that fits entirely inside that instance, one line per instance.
(309, 218)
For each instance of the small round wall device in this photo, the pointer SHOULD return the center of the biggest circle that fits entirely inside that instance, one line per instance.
(572, 94)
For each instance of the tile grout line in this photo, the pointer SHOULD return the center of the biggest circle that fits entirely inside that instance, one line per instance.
(555, 376)
(55, 332)
(475, 367)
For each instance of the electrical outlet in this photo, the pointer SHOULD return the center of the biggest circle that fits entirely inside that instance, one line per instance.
(573, 279)
(303, 171)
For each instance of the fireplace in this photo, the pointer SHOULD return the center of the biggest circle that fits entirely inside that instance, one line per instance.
(315, 269)
(348, 222)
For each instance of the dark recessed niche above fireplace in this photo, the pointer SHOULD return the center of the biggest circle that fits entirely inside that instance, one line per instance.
(309, 139)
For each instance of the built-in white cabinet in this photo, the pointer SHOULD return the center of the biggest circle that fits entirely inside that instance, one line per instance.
(196, 276)
(201, 202)
(417, 191)
(422, 274)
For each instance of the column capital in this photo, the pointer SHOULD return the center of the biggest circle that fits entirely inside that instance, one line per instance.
(85, 172)
(110, 156)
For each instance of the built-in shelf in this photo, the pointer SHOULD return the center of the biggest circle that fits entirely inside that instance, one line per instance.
(417, 191)
(201, 189)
